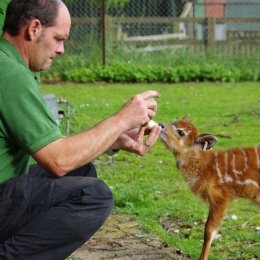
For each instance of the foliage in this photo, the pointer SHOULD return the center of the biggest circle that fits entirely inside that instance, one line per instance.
(181, 67)
(3, 6)
(149, 188)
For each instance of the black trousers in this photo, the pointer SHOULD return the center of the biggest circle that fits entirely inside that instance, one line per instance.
(44, 217)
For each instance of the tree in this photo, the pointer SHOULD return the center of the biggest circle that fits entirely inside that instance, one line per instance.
(3, 5)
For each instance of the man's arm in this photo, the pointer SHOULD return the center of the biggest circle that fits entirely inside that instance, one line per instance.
(68, 153)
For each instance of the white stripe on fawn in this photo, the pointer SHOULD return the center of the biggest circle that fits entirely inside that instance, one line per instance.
(245, 159)
(235, 171)
(249, 182)
(233, 163)
(227, 177)
(226, 162)
(218, 169)
(257, 158)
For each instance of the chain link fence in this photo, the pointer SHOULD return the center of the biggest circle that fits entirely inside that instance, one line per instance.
(105, 31)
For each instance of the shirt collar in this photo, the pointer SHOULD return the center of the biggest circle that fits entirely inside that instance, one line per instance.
(10, 50)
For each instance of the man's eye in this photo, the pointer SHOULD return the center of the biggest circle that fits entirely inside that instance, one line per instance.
(180, 132)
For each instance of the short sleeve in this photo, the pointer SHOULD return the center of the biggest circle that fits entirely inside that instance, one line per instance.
(26, 117)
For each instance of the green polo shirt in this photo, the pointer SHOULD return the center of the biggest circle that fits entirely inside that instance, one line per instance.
(26, 123)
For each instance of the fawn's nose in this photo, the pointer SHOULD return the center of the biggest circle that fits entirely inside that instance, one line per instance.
(161, 125)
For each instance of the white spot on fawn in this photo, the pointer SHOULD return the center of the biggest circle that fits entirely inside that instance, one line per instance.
(213, 236)
(249, 182)
(228, 178)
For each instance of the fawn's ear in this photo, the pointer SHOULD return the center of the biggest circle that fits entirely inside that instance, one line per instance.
(206, 141)
(186, 118)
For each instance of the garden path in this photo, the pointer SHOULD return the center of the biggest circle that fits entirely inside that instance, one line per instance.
(121, 238)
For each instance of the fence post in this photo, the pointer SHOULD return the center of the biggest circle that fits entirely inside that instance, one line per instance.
(103, 31)
(210, 36)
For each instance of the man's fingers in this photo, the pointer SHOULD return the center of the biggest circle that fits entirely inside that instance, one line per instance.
(153, 136)
(141, 133)
(149, 94)
(151, 114)
(151, 104)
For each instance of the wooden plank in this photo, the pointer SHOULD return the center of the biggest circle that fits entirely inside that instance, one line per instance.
(161, 20)
(155, 38)
(85, 20)
(239, 20)
(143, 20)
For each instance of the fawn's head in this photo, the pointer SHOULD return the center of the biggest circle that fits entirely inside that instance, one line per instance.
(182, 134)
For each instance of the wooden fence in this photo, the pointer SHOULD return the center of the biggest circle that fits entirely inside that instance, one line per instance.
(208, 33)
(227, 35)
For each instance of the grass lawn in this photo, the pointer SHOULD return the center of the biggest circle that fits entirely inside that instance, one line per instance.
(149, 188)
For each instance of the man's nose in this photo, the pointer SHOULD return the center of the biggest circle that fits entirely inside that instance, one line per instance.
(60, 49)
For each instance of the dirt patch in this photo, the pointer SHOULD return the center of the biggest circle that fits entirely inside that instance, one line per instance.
(120, 238)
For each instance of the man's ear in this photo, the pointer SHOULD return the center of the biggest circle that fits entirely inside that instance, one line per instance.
(34, 29)
(206, 141)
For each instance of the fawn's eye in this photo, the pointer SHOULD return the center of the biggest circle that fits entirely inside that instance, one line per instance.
(180, 132)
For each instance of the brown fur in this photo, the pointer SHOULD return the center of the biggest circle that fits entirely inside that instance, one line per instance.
(215, 176)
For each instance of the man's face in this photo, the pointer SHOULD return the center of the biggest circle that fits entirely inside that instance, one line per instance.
(50, 43)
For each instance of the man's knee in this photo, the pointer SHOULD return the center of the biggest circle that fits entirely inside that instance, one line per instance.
(89, 209)
(87, 170)
(99, 196)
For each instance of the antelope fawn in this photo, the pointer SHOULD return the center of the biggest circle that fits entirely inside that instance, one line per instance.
(215, 176)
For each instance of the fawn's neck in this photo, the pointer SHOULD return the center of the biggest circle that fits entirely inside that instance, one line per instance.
(189, 162)
(187, 157)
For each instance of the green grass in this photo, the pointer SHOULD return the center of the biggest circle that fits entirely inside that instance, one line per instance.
(150, 188)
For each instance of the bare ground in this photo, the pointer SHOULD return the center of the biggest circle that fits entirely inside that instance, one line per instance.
(120, 238)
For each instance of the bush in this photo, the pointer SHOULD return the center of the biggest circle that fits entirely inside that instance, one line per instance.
(177, 68)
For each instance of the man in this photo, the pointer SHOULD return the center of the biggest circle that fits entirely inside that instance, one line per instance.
(49, 209)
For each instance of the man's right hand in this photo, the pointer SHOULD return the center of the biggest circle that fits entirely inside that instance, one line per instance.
(139, 110)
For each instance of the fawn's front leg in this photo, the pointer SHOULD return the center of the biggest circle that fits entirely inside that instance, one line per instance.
(215, 217)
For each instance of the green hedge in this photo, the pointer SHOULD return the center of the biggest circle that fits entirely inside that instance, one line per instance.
(3, 4)
(76, 69)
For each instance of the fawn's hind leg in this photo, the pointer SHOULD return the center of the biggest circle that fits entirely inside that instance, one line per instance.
(215, 217)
